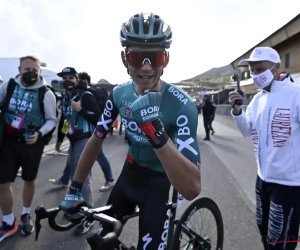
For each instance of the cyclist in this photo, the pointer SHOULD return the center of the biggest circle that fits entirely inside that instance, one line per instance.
(154, 120)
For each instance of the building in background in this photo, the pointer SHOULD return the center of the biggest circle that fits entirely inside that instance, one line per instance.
(218, 82)
(286, 41)
(211, 83)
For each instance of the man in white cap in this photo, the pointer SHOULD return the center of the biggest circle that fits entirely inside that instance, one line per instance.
(272, 119)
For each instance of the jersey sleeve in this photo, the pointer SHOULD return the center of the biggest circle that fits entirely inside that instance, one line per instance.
(186, 133)
(107, 118)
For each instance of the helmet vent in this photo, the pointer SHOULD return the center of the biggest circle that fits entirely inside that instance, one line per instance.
(135, 23)
(146, 26)
(141, 41)
(156, 26)
(147, 30)
(127, 26)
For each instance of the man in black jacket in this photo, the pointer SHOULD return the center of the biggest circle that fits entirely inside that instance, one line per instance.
(79, 116)
(207, 111)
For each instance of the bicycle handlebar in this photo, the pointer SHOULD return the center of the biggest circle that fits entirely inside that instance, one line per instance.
(89, 214)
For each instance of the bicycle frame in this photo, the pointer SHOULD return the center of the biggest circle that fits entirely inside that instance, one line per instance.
(172, 223)
(172, 219)
(195, 239)
(175, 222)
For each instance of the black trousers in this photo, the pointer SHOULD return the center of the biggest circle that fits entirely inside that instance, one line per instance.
(120, 128)
(278, 215)
(210, 124)
(149, 190)
(206, 121)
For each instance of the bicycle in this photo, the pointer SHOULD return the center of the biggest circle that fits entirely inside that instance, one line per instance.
(173, 238)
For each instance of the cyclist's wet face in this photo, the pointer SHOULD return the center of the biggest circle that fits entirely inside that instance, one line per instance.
(146, 65)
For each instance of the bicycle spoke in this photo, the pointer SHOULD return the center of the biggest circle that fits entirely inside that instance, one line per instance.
(202, 225)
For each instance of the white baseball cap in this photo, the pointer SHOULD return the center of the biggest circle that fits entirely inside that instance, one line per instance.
(261, 54)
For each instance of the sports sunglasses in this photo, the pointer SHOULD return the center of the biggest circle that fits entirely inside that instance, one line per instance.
(138, 58)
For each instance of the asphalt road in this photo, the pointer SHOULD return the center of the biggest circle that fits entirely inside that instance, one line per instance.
(228, 177)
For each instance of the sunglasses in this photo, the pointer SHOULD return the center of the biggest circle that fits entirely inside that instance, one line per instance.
(138, 58)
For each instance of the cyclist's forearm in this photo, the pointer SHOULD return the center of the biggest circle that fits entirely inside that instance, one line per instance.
(88, 158)
(182, 173)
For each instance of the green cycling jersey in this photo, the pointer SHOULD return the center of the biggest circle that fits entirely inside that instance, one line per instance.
(177, 113)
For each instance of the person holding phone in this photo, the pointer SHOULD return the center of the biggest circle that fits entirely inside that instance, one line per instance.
(79, 117)
(272, 119)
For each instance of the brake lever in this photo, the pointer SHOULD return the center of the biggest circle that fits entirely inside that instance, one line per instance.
(95, 241)
(42, 213)
(38, 227)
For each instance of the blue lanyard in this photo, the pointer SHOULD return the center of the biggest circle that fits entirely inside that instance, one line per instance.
(68, 108)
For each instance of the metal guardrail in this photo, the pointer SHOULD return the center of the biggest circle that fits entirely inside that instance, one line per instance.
(226, 109)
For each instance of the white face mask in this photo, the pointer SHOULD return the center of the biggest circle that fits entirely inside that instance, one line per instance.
(263, 79)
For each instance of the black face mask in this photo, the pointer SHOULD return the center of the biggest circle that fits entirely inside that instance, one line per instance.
(30, 78)
(69, 85)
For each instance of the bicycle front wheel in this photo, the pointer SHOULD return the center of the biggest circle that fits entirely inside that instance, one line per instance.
(183, 239)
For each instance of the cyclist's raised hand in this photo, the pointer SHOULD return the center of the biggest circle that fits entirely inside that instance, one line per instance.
(73, 198)
(145, 111)
(146, 108)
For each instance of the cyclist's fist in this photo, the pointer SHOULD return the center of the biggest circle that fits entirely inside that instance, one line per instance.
(145, 109)
(73, 199)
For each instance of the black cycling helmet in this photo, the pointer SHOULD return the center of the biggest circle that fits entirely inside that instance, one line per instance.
(146, 29)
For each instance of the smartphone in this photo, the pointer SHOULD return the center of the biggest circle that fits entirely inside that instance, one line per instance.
(239, 102)
(75, 98)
